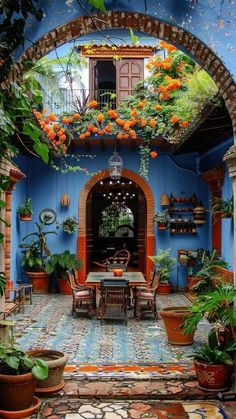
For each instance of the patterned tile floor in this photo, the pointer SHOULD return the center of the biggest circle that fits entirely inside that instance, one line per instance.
(48, 324)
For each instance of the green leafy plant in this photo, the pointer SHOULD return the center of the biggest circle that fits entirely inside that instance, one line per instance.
(164, 264)
(16, 362)
(3, 282)
(213, 352)
(59, 263)
(69, 225)
(35, 253)
(223, 207)
(161, 217)
(26, 207)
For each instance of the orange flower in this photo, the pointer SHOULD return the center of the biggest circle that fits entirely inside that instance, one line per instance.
(90, 128)
(82, 136)
(46, 128)
(62, 137)
(132, 122)
(51, 134)
(95, 129)
(52, 117)
(143, 122)
(120, 122)
(119, 136)
(153, 154)
(62, 130)
(126, 126)
(87, 134)
(112, 114)
(140, 105)
(107, 129)
(132, 134)
(184, 124)
(76, 116)
(100, 132)
(152, 123)
(47, 121)
(126, 136)
(167, 46)
(174, 119)
(55, 126)
(93, 104)
(133, 113)
(100, 117)
(65, 120)
(158, 107)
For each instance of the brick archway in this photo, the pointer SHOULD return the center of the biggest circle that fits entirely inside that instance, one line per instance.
(154, 27)
(150, 239)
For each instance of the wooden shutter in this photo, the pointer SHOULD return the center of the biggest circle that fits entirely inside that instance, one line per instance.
(129, 72)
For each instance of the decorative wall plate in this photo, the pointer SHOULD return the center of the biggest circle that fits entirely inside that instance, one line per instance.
(47, 216)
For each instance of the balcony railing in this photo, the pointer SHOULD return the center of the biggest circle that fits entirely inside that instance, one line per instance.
(76, 100)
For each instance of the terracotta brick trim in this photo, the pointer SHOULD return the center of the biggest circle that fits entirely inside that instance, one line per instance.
(81, 243)
(149, 25)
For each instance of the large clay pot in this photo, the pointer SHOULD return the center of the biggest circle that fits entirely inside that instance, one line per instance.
(173, 318)
(40, 281)
(16, 391)
(56, 361)
(212, 377)
(64, 287)
(164, 289)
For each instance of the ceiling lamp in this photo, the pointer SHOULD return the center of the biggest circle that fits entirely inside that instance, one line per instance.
(115, 165)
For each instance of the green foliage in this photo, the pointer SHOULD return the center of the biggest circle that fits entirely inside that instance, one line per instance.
(161, 217)
(216, 305)
(223, 207)
(70, 225)
(134, 38)
(214, 353)
(35, 253)
(3, 282)
(59, 263)
(16, 362)
(164, 264)
(98, 4)
(26, 207)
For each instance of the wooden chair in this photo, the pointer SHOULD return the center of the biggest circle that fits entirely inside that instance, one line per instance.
(84, 298)
(121, 256)
(145, 299)
(114, 298)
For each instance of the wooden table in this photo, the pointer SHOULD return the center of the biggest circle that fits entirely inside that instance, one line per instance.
(135, 279)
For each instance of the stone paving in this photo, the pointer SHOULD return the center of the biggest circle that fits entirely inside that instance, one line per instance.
(48, 323)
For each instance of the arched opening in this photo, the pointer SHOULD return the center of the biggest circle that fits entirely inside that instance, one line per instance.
(116, 219)
(92, 204)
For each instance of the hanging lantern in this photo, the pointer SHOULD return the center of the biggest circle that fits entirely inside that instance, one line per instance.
(65, 200)
(115, 165)
(165, 200)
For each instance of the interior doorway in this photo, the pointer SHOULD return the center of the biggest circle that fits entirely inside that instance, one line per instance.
(116, 216)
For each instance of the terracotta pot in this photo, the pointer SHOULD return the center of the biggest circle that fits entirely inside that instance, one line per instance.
(173, 318)
(118, 272)
(25, 413)
(16, 391)
(162, 226)
(191, 281)
(64, 287)
(25, 217)
(164, 289)
(40, 281)
(212, 377)
(56, 361)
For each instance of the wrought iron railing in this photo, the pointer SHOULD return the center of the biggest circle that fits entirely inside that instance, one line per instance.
(76, 100)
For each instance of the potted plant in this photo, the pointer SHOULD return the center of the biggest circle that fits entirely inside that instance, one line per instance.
(56, 361)
(18, 378)
(224, 208)
(25, 210)
(70, 225)
(161, 219)
(213, 363)
(192, 278)
(34, 258)
(59, 263)
(173, 318)
(164, 265)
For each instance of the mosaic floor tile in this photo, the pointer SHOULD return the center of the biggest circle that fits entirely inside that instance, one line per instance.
(48, 323)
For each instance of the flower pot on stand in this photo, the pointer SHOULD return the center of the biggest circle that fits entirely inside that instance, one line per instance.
(56, 361)
(174, 318)
(164, 289)
(64, 287)
(211, 376)
(40, 281)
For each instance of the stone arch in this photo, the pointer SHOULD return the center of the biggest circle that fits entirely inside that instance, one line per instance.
(154, 27)
(150, 239)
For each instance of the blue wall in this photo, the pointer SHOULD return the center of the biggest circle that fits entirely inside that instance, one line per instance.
(46, 186)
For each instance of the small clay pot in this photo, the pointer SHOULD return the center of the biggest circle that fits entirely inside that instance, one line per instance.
(25, 217)
(164, 289)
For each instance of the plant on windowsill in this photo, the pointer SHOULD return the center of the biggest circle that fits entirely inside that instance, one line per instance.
(25, 210)
(161, 219)
(18, 378)
(58, 264)
(223, 208)
(34, 258)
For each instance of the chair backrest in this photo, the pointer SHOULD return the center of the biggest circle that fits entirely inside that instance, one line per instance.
(151, 277)
(112, 266)
(156, 280)
(70, 276)
(122, 256)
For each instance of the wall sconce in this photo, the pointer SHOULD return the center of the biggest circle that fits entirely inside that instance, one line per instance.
(165, 200)
(65, 200)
